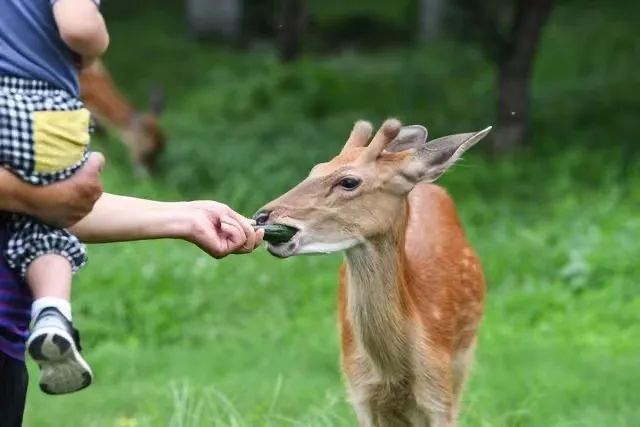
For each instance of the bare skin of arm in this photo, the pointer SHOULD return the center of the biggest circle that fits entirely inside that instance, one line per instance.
(213, 227)
(61, 204)
(81, 27)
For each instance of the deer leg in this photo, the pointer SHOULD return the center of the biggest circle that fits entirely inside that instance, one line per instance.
(461, 367)
(392, 419)
(371, 415)
(364, 414)
(434, 397)
(139, 171)
(440, 419)
(389, 412)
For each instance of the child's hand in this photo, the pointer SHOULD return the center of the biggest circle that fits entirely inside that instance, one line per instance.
(219, 230)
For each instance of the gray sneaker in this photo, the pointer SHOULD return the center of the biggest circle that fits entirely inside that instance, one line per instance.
(55, 345)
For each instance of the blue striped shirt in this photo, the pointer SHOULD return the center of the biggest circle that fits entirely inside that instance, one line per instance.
(15, 307)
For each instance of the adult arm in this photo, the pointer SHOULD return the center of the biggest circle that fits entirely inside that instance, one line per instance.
(13, 198)
(61, 204)
(212, 226)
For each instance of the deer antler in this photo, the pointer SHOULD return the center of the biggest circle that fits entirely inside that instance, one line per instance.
(387, 132)
(359, 136)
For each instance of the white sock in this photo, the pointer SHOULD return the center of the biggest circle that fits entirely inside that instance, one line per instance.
(61, 304)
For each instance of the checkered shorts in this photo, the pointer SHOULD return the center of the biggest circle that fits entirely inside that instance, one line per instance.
(19, 100)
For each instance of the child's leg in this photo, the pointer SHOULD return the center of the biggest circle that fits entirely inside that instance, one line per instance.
(49, 278)
(54, 343)
(46, 257)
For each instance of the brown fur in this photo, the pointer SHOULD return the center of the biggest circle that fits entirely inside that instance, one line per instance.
(140, 132)
(441, 289)
(411, 289)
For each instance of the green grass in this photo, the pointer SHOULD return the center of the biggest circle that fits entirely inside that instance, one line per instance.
(178, 339)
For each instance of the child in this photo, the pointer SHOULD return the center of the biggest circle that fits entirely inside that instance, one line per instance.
(44, 136)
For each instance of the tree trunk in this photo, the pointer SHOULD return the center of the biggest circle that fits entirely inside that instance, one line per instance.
(515, 66)
(291, 25)
(215, 18)
(430, 15)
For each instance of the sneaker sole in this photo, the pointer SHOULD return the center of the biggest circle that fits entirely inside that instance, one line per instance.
(62, 368)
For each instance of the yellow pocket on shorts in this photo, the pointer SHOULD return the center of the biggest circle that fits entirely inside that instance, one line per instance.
(60, 139)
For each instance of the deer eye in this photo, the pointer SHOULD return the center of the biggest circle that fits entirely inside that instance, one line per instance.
(350, 183)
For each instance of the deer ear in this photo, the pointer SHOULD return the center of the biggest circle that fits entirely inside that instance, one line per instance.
(409, 137)
(435, 157)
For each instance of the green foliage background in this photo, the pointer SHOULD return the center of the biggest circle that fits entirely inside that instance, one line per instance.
(178, 339)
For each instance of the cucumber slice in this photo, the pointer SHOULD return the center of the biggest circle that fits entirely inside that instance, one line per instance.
(277, 233)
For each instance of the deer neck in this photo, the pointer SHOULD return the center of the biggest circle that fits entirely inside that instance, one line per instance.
(104, 99)
(378, 302)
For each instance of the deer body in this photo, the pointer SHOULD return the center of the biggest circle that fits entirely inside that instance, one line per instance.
(140, 132)
(411, 289)
(410, 304)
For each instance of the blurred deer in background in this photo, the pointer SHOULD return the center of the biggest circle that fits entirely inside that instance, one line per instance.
(411, 290)
(139, 131)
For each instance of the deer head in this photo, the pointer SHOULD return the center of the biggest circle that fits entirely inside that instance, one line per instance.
(140, 131)
(359, 193)
(144, 136)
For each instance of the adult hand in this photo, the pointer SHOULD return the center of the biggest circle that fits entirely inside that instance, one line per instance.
(66, 202)
(219, 230)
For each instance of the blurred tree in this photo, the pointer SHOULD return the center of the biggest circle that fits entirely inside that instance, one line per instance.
(259, 19)
(430, 16)
(511, 43)
(328, 25)
(366, 25)
(217, 18)
(292, 21)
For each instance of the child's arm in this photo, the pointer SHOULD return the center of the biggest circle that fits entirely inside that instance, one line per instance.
(81, 27)
(212, 226)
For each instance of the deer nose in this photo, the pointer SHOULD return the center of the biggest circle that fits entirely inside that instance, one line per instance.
(261, 217)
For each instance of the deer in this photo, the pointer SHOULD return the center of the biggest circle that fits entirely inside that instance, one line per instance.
(140, 132)
(411, 287)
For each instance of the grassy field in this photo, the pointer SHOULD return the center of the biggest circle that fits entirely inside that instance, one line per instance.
(177, 339)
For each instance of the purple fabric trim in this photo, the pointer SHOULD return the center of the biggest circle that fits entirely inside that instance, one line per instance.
(15, 307)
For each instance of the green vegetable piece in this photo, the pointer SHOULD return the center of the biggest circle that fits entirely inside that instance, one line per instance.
(277, 233)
